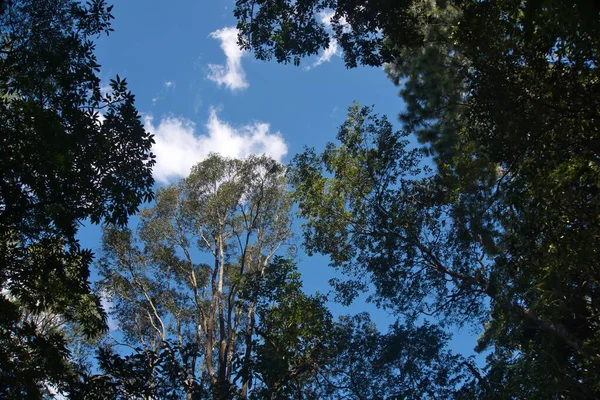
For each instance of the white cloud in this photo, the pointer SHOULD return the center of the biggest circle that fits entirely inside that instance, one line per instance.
(178, 147)
(105, 89)
(231, 75)
(112, 323)
(169, 84)
(326, 55)
(325, 16)
(333, 49)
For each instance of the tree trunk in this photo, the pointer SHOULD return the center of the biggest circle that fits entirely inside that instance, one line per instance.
(248, 354)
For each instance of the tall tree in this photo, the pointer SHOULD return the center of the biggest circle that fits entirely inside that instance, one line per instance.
(384, 218)
(504, 96)
(302, 353)
(60, 163)
(185, 286)
(298, 352)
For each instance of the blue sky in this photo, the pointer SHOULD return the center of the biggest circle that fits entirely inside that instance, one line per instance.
(198, 93)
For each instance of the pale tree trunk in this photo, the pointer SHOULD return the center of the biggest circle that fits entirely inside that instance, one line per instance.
(231, 340)
(222, 372)
(216, 317)
(208, 316)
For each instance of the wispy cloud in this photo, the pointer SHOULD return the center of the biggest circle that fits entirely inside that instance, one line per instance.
(178, 146)
(105, 89)
(326, 16)
(333, 49)
(231, 75)
(113, 325)
(169, 84)
(326, 55)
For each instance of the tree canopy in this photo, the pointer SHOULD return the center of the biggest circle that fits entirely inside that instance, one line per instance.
(69, 153)
(503, 96)
(489, 219)
(209, 309)
(192, 284)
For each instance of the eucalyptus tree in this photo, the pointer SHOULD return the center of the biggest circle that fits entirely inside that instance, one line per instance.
(182, 283)
(299, 351)
(60, 164)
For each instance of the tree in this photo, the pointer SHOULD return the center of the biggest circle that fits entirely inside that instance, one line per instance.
(383, 218)
(187, 285)
(60, 164)
(290, 30)
(302, 353)
(293, 337)
(503, 96)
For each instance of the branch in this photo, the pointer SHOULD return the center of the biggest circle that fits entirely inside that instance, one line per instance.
(480, 378)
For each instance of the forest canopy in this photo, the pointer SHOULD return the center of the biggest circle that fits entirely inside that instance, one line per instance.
(477, 207)
(503, 96)
(59, 164)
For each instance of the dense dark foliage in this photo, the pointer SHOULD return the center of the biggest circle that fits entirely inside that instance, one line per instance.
(60, 163)
(503, 95)
(491, 221)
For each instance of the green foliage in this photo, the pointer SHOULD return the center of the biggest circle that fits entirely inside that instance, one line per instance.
(34, 348)
(187, 284)
(132, 377)
(407, 362)
(520, 174)
(301, 352)
(385, 221)
(503, 96)
(292, 336)
(289, 30)
(363, 205)
(60, 164)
